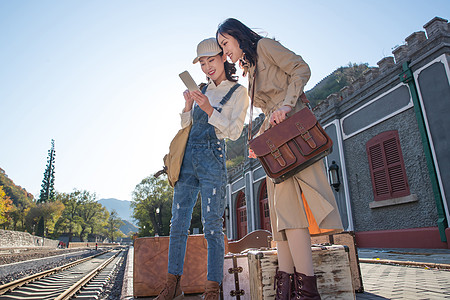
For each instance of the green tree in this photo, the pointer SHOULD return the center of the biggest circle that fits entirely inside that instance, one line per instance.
(70, 220)
(17, 218)
(82, 215)
(40, 229)
(42, 217)
(114, 223)
(151, 204)
(48, 191)
(99, 224)
(89, 211)
(51, 213)
(32, 218)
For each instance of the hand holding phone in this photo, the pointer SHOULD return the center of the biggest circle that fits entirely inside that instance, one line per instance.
(189, 81)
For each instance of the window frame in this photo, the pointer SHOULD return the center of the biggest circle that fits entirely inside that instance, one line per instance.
(386, 166)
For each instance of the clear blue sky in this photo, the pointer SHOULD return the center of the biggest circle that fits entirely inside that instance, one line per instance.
(101, 77)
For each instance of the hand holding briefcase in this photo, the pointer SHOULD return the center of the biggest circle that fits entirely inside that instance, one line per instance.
(291, 146)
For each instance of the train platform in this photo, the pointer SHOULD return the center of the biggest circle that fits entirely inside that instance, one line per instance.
(439, 258)
(386, 273)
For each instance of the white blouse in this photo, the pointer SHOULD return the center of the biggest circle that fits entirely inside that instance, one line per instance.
(229, 122)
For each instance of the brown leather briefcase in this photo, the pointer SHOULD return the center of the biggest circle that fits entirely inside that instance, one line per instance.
(150, 265)
(291, 146)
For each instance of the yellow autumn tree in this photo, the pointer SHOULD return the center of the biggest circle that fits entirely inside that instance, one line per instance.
(5, 206)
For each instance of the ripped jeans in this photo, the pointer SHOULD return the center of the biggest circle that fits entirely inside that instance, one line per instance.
(203, 170)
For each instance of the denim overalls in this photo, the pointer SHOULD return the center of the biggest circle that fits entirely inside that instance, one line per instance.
(203, 170)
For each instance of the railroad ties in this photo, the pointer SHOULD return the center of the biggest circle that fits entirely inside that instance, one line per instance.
(82, 279)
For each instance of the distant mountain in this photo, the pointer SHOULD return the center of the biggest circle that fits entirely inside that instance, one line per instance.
(122, 207)
(128, 228)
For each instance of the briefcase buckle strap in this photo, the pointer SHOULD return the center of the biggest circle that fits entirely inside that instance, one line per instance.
(276, 153)
(306, 135)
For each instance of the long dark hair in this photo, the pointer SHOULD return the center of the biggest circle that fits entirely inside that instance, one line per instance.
(247, 38)
(230, 71)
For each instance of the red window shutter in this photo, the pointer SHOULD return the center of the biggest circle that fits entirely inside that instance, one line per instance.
(387, 168)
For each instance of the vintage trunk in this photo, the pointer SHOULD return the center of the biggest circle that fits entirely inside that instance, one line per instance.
(150, 265)
(346, 238)
(236, 284)
(331, 266)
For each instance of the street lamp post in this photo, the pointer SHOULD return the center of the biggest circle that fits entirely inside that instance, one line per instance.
(333, 171)
(227, 212)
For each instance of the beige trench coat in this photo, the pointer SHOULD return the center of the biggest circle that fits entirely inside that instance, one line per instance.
(280, 78)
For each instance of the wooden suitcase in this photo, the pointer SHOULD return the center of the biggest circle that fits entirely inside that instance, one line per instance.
(346, 238)
(331, 266)
(235, 284)
(236, 281)
(150, 265)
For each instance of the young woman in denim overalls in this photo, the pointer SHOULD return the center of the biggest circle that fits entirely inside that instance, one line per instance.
(218, 113)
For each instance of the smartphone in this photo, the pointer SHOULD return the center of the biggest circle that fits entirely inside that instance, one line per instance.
(188, 81)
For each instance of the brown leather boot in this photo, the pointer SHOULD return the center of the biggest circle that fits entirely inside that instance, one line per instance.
(305, 287)
(283, 285)
(212, 290)
(172, 288)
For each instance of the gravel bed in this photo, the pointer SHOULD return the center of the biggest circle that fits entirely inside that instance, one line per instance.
(22, 269)
(113, 289)
(33, 254)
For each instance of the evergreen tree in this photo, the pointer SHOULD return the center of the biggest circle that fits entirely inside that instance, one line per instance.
(40, 227)
(48, 191)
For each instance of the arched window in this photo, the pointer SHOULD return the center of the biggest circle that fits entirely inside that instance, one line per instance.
(387, 168)
(241, 213)
(264, 214)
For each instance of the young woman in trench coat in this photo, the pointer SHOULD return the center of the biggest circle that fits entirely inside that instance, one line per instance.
(304, 204)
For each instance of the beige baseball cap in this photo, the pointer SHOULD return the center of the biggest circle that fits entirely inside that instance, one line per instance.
(207, 47)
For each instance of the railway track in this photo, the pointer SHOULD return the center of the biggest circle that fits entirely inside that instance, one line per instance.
(81, 279)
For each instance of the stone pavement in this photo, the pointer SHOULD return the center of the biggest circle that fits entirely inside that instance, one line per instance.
(424, 256)
(405, 273)
(400, 282)
(387, 274)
